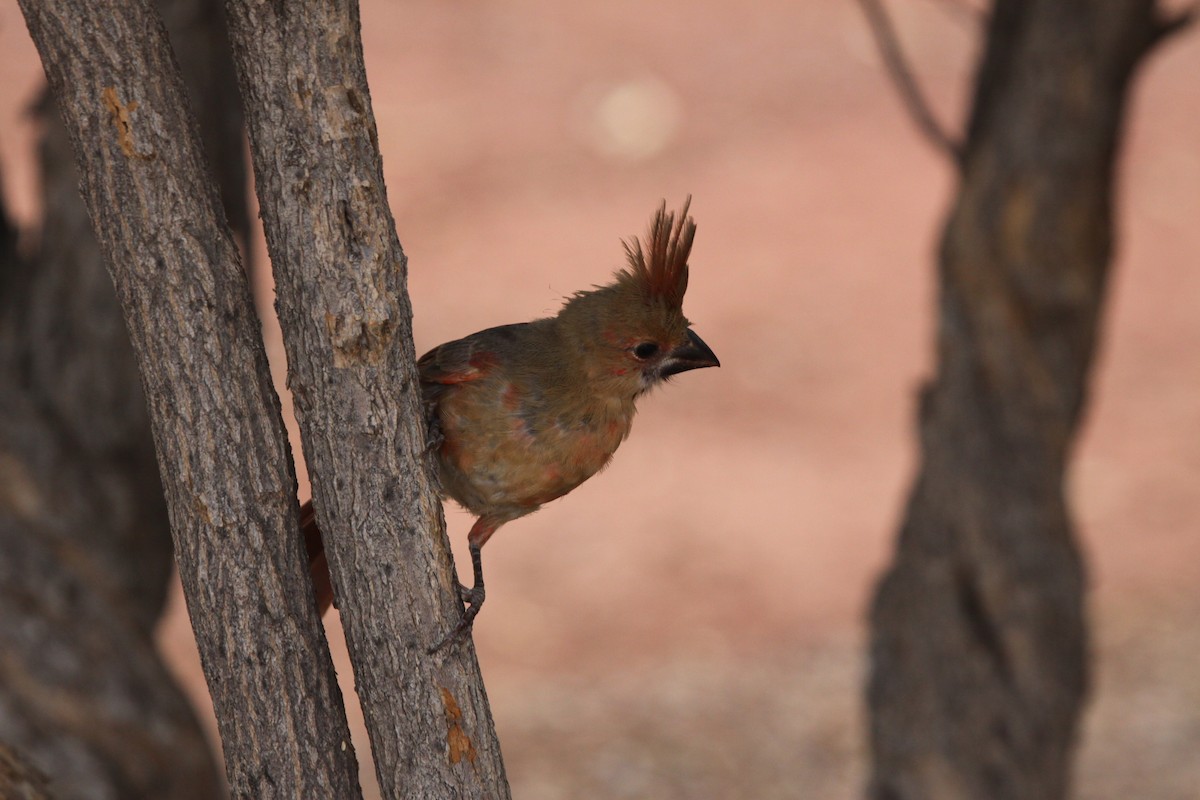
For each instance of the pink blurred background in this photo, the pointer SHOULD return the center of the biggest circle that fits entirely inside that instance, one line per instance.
(689, 624)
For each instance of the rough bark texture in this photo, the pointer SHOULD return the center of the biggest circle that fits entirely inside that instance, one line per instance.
(83, 523)
(200, 41)
(66, 356)
(343, 305)
(20, 781)
(979, 647)
(83, 527)
(220, 441)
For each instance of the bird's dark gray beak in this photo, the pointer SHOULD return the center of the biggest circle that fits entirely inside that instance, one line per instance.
(693, 355)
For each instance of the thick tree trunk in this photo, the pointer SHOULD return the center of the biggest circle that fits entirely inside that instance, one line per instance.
(979, 649)
(343, 303)
(83, 528)
(83, 523)
(66, 354)
(220, 441)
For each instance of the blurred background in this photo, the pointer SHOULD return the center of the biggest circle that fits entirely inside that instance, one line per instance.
(690, 623)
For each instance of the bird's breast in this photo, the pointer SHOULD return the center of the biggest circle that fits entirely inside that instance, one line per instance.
(507, 449)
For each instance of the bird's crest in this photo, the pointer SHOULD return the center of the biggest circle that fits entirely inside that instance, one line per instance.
(660, 266)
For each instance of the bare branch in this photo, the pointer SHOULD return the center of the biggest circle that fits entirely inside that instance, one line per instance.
(910, 93)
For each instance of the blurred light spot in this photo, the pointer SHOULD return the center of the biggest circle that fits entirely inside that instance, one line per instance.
(634, 120)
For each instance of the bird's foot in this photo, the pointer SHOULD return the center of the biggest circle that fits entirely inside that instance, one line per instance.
(434, 438)
(473, 598)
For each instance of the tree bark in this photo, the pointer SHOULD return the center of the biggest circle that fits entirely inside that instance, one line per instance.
(979, 649)
(65, 351)
(219, 436)
(347, 325)
(19, 780)
(83, 523)
(83, 527)
(200, 40)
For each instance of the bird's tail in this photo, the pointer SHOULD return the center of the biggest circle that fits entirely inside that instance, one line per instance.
(318, 566)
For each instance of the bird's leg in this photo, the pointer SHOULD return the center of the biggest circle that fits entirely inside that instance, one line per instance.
(473, 597)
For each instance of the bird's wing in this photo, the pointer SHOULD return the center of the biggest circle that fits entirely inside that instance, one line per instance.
(468, 358)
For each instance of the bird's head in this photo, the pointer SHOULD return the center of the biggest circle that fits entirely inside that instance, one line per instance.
(632, 332)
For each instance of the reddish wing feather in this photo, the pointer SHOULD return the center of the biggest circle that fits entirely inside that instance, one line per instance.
(468, 358)
(453, 362)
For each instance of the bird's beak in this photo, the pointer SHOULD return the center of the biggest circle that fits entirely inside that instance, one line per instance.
(692, 355)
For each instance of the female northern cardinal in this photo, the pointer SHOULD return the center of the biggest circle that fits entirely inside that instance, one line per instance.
(522, 414)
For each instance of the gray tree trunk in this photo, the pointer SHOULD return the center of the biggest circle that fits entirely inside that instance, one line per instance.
(83, 523)
(83, 527)
(221, 447)
(979, 648)
(347, 325)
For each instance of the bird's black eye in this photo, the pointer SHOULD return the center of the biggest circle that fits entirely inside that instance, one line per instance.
(645, 350)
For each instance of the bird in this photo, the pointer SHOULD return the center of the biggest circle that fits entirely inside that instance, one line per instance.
(520, 415)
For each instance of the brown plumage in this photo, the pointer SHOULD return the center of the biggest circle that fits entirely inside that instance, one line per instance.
(527, 412)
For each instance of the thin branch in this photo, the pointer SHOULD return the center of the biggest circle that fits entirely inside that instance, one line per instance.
(910, 92)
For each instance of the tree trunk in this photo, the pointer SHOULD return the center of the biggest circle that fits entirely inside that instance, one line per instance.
(979, 649)
(220, 442)
(19, 780)
(83, 527)
(344, 309)
(200, 41)
(83, 523)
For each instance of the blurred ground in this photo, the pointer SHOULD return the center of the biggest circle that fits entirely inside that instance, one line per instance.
(689, 623)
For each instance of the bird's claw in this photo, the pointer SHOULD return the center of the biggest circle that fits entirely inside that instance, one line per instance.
(473, 598)
(434, 438)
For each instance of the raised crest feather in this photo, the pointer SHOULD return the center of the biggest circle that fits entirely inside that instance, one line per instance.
(660, 267)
